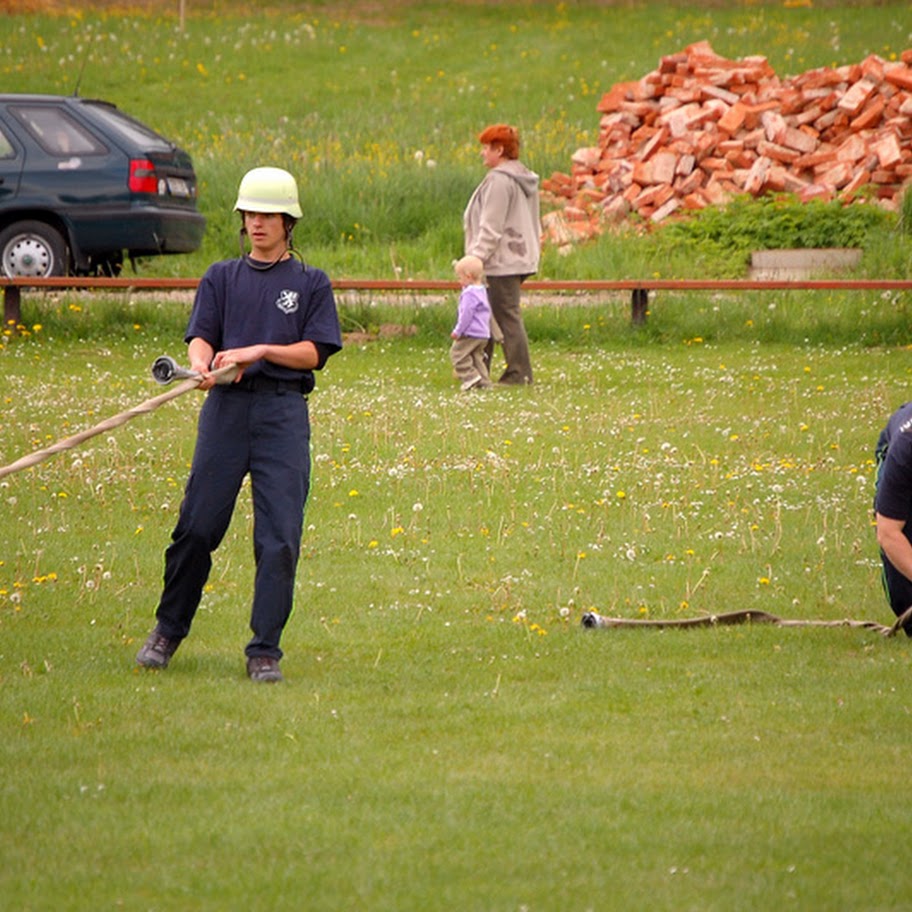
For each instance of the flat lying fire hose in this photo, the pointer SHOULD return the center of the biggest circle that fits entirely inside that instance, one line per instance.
(592, 619)
(164, 370)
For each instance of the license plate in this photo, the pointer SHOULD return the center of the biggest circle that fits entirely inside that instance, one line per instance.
(177, 186)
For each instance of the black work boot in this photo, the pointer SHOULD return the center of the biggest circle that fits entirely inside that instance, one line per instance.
(156, 652)
(263, 669)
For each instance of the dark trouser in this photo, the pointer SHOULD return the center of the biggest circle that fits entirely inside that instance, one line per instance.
(898, 589)
(265, 434)
(503, 295)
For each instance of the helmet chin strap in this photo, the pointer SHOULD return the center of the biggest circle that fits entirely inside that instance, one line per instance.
(263, 267)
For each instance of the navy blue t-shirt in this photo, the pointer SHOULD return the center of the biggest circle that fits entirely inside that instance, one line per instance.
(237, 305)
(893, 497)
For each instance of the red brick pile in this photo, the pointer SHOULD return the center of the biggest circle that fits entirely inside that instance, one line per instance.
(701, 129)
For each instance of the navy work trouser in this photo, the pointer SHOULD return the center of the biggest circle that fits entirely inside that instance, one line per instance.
(897, 588)
(241, 431)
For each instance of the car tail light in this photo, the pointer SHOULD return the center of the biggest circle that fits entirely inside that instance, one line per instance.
(142, 176)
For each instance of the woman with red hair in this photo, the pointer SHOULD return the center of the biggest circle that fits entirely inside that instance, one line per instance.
(503, 229)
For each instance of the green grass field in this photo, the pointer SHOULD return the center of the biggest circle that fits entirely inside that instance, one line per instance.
(448, 736)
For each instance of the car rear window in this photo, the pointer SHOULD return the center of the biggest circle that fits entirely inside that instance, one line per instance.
(128, 128)
(56, 132)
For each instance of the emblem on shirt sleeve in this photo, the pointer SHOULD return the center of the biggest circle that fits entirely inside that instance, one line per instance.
(287, 301)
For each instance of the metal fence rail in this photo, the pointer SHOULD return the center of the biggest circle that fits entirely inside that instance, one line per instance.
(639, 289)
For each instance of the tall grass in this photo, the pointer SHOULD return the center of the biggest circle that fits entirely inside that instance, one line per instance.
(377, 116)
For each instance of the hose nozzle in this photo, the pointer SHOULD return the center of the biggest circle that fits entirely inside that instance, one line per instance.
(166, 369)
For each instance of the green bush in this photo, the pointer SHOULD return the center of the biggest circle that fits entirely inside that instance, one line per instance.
(728, 235)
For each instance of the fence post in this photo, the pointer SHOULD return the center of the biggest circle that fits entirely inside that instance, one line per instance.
(12, 306)
(639, 304)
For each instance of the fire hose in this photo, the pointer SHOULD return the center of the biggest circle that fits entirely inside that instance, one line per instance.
(164, 370)
(594, 620)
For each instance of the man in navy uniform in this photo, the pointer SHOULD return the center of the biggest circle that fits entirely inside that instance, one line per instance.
(893, 509)
(275, 318)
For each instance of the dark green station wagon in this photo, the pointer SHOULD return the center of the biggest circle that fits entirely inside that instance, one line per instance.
(82, 184)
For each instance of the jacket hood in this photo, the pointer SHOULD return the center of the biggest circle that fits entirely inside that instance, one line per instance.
(527, 180)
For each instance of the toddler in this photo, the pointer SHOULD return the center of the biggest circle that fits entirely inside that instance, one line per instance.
(473, 325)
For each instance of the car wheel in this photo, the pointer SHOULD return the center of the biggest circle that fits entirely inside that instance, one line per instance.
(32, 249)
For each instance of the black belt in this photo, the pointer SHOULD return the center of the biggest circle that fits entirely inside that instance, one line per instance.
(260, 384)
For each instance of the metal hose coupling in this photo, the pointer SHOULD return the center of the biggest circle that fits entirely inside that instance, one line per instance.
(165, 369)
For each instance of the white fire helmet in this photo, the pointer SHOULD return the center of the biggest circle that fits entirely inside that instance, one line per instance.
(268, 190)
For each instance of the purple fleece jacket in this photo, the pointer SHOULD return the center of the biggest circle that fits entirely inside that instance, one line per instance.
(473, 318)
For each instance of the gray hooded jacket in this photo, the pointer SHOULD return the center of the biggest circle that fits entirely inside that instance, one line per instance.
(502, 223)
